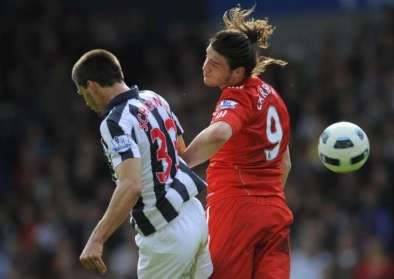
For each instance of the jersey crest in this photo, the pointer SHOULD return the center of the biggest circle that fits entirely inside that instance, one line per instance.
(227, 104)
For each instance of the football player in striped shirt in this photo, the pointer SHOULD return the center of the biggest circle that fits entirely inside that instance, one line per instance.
(140, 137)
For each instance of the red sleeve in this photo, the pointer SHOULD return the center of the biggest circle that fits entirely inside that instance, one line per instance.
(234, 107)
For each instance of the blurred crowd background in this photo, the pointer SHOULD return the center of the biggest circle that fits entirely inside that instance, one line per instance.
(54, 182)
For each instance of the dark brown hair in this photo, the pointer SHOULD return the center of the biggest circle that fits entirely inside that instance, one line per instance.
(97, 65)
(240, 40)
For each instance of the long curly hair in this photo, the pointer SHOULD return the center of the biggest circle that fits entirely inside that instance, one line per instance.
(241, 39)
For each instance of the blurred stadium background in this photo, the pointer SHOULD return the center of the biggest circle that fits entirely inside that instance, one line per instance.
(54, 183)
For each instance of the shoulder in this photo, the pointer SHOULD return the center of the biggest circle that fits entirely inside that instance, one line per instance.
(233, 91)
(112, 119)
(235, 94)
(247, 94)
(117, 113)
(148, 93)
(121, 116)
(152, 96)
(267, 95)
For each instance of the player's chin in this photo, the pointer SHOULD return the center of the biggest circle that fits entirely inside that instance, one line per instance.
(94, 108)
(209, 82)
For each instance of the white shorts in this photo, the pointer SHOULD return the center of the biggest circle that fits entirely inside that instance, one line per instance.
(179, 250)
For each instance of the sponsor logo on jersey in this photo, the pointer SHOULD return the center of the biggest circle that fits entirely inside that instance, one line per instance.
(220, 114)
(217, 115)
(122, 143)
(227, 104)
(142, 118)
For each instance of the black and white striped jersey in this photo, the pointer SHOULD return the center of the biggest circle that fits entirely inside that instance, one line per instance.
(140, 124)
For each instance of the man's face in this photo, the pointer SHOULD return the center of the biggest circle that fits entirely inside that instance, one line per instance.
(216, 71)
(87, 95)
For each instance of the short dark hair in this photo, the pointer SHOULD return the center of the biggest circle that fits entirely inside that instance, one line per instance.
(240, 40)
(97, 65)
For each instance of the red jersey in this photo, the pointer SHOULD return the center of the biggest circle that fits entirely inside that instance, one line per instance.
(249, 163)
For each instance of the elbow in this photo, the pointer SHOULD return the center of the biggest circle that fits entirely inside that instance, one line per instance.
(134, 188)
(286, 165)
(186, 156)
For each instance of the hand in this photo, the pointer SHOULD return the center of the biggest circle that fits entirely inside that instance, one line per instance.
(91, 256)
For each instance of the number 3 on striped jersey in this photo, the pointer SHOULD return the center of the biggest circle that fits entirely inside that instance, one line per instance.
(274, 136)
(162, 152)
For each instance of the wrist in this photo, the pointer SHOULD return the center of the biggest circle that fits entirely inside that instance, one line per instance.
(98, 235)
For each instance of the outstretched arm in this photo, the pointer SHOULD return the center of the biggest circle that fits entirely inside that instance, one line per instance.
(286, 166)
(125, 196)
(207, 143)
(180, 145)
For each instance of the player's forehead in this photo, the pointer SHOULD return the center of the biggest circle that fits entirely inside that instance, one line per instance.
(214, 55)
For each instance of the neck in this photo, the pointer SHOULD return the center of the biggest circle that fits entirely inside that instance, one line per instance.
(113, 91)
(237, 82)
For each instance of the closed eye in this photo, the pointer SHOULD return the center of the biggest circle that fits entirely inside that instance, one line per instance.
(213, 63)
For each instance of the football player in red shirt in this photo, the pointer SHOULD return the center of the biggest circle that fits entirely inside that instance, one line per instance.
(247, 144)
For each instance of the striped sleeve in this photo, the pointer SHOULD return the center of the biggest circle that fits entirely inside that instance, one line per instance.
(120, 145)
(179, 128)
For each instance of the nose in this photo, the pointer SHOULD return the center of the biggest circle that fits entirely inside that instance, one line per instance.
(205, 67)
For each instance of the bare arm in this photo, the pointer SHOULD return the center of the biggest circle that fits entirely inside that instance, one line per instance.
(180, 145)
(286, 166)
(125, 196)
(207, 143)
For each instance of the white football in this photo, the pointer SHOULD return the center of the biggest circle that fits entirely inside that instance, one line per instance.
(343, 147)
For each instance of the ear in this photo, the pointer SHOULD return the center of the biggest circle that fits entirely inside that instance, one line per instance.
(238, 74)
(240, 71)
(89, 84)
(92, 84)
